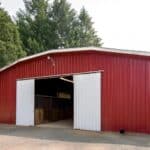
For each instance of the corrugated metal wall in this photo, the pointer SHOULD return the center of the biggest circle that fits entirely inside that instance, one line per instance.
(125, 85)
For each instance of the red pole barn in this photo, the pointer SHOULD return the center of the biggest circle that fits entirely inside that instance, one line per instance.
(98, 89)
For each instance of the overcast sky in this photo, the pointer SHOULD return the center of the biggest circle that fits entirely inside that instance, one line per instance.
(123, 24)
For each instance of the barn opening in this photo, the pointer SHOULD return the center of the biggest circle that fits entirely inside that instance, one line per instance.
(73, 101)
(54, 101)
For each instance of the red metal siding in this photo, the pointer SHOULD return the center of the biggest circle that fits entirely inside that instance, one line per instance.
(125, 85)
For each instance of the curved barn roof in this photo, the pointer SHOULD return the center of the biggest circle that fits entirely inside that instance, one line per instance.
(102, 49)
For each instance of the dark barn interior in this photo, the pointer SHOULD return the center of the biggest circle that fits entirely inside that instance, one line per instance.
(53, 99)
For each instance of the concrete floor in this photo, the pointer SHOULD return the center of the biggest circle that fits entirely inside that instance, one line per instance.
(58, 124)
(53, 138)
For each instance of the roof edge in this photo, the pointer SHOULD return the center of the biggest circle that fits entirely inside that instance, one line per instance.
(65, 50)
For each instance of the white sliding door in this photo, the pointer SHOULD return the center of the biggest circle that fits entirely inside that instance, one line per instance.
(25, 103)
(87, 101)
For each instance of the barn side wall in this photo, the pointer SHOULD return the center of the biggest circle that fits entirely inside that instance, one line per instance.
(125, 85)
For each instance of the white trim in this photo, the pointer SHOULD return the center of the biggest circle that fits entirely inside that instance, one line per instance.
(59, 75)
(67, 80)
(54, 51)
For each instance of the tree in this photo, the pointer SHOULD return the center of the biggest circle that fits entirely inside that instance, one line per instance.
(87, 35)
(44, 26)
(35, 27)
(10, 43)
(64, 19)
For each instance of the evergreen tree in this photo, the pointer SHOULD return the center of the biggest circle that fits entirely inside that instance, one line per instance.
(10, 43)
(64, 19)
(87, 34)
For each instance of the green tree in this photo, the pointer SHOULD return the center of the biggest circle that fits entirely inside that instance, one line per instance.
(44, 26)
(10, 43)
(73, 30)
(87, 35)
(64, 19)
(35, 26)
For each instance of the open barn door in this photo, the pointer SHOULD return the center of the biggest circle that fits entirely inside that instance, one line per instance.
(25, 103)
(87, 101)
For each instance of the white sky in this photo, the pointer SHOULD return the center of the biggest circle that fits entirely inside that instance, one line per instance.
(121, 24)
